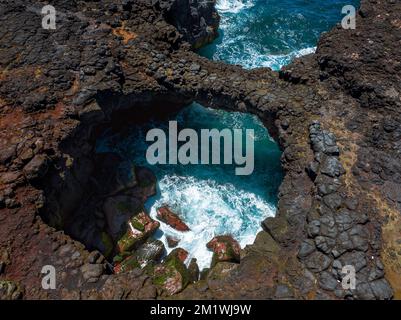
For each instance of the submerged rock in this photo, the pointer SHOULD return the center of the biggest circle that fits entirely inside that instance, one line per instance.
(225, 248)
(172, 219)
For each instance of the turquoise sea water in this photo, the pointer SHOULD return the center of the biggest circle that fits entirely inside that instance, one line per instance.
(212, 200)
(270, 33)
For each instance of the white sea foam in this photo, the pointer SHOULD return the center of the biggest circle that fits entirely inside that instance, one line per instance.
(210, 209)
(233, 6)
(252, 57)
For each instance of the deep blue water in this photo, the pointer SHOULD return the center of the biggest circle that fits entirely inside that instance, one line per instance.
(270, 33)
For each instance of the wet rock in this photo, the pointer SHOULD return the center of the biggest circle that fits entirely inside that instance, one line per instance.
(172, 242)
(317, 262)
(172, 275)
(327, 281)
(172, 219)
(140, 227)
(198, 21)
(225, 249)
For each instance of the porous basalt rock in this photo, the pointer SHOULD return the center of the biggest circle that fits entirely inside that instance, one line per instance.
(111, 62)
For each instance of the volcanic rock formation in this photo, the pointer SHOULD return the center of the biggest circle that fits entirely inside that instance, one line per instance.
(335, 114)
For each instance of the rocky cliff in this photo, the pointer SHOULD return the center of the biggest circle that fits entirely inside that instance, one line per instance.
(335, 115)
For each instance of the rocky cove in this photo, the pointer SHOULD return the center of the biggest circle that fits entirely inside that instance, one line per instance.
(334, 114)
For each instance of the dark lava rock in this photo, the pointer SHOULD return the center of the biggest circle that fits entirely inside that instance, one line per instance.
(37, 167)
(112, 174)
(332, 167)
(172, 275)
(197, 20)
(193, 269)
(317, 262)
(172, 242)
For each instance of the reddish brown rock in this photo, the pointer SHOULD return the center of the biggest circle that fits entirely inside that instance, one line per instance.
(172, 275)
(225, 248)
(140, 228)
(172, 219)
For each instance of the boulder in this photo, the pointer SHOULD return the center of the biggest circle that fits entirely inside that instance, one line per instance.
(172, 219)
(139, 229)
(172, 242)
(193, 269)
(172, 275)
(118, 210)
(37, 167)
(225, 249)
